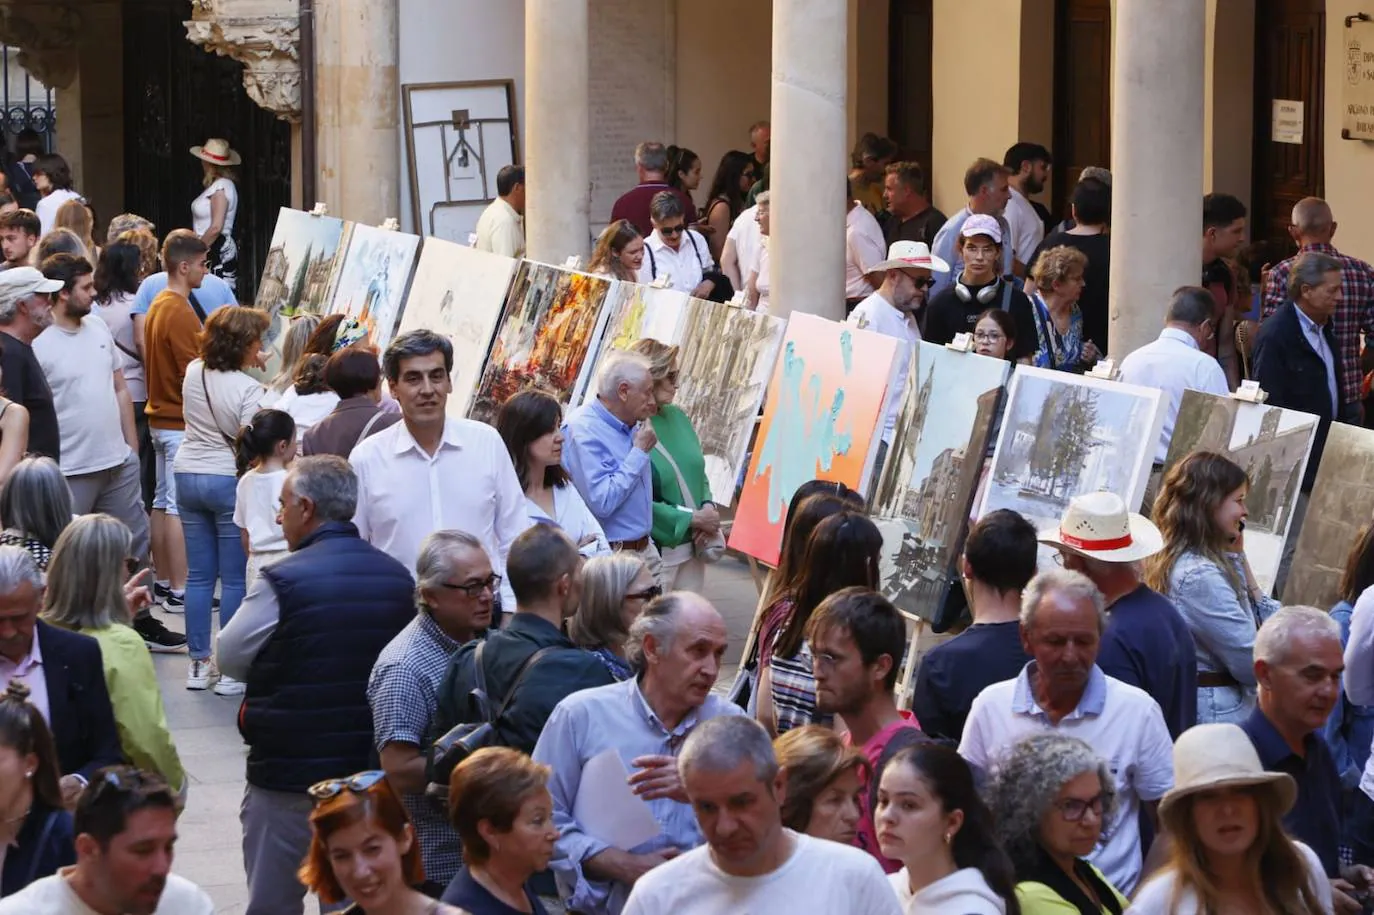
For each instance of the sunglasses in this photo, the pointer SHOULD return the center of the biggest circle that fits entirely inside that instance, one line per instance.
(672, 230)
(671, 377)
(648, 593)
(475, 589)
(333, 787)
(927, 283)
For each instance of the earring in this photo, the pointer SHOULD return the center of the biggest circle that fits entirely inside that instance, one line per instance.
(947, 838)
(29, 774)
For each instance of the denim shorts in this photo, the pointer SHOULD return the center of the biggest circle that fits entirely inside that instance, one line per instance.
(166, 443)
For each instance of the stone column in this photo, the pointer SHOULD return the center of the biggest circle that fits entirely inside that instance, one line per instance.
(809, 159)
(1157, 129)
(557, 130)
(359, 101)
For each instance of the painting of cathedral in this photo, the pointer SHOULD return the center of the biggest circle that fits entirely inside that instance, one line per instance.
(301, 263)
(927, 487)
(1339, 509)
(1271, 443)
(373, 278)
(548, 331)
(459, 292)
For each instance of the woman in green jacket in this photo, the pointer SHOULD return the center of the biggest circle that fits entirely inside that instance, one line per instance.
(686, 521)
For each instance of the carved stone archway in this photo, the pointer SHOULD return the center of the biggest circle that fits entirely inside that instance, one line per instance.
(46, 36)
(263, 35)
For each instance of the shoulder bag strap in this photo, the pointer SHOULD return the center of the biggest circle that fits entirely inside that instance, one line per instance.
(42, 842)
(653, 262)
(200, 312)
(1006, 295)
(687, 496)
(520, 678)
(368, 428)
(126, 351)
(480, 680)
(205, 386)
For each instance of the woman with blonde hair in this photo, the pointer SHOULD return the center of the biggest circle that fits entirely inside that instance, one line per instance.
(213, 212)
(1058, 280)
(619, 252)
(90, 591)
(75, 216)
(1203, 569)
(825, 777)
(686, 522)
(615, 589)
(293, 342)
(1229, 851)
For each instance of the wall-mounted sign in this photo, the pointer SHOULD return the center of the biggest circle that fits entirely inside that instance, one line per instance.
(1357, 100)
(1287, 121)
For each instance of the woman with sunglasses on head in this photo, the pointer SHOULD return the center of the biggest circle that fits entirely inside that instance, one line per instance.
(364, 849)
(94, 588)
(615, 589)
(1049, 800)
(35, 829)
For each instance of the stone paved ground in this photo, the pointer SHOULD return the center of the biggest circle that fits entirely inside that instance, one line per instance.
(208, 850)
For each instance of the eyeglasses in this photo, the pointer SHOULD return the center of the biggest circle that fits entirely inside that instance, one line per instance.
(648, 593)
(672, 230)
(980, 336)
(671, 377)
(333, 787)
(475, 589)
(1073, 809)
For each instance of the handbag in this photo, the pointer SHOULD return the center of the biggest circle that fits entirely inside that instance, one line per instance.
(714, 546)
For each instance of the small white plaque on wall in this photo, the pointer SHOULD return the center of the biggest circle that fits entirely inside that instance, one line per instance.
(1287, 121)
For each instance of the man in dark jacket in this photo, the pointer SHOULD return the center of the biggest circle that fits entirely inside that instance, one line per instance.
(304, 641)
(1296, 363)
(63, 671)
(546, 575)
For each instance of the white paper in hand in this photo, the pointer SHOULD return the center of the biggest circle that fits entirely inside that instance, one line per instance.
(608, 809)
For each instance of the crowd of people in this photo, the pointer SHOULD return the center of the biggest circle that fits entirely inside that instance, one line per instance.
(476, 669)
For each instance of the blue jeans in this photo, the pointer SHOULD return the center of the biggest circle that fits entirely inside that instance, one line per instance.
(213, 551)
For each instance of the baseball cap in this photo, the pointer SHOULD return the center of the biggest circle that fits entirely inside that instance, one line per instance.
(20, 282)
(980, 224)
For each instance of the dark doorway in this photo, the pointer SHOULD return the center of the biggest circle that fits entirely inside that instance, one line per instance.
(1290, 59)
(911, 86)
(1082, 93)
(176, 95)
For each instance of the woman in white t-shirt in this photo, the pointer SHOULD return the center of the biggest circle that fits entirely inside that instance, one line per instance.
(214, 211)
(53, 178)
(218, 398)
(309, 399)
(265, 446)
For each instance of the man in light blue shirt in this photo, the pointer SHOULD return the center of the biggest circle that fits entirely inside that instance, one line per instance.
(676, 644)
(988, 193)
(212, 293)
(606, 449)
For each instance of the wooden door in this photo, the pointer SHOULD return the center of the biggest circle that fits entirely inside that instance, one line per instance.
(1082, 93)
(1290, 58)
(911, 87)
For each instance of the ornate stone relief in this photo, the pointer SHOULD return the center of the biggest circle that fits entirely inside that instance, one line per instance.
(46, 37)
(264, 36)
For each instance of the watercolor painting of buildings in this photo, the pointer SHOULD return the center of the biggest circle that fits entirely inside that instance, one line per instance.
(1339, 509)
(373, 278)
(459, 292)
(1272, 445)
(302, 263)
(820, 421)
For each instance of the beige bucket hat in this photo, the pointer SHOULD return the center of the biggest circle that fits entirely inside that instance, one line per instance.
(1221, 756)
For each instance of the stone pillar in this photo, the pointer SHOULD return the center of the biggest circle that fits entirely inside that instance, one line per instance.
(1157, 129)
(809, 158)
(557, 130)
(359, 100)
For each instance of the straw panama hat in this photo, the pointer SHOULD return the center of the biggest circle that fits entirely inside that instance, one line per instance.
(1210, 756)
(217, 152)
(1098, 526)
(909, 255)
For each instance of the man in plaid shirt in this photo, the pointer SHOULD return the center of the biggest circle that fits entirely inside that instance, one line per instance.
(1313, 228)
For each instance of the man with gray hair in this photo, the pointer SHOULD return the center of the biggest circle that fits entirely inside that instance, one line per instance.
(1062, 689)
(731, 775)
(1298, 665)
(1176, 362)
(1313, 228)
(606, 449)
(454, 591)
(676, 646)
(304, 642)
(651, 165)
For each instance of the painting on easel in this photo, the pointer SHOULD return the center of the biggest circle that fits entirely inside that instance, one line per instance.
(373, 278)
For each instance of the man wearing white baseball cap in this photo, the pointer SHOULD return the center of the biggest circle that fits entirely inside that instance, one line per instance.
(25, 312)
(902, 281)
(1147, 643)
(978, 286)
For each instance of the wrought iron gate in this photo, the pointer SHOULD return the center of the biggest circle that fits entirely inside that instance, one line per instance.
(28, 104)
(176, 95)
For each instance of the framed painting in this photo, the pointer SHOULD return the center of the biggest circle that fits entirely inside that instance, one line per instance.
(1339, 508)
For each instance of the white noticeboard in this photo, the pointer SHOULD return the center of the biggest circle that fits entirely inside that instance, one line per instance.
(1288, 121)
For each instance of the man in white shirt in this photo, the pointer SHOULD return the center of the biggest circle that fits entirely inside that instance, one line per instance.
(1062, 689)
(1175, 362)
(1029, 165)
(126, 829)
(675, 251)
(863, 250)
(95, 414)
(741, 247)
(501, 227)
(431, 472)
(905, 278)
(751, 863)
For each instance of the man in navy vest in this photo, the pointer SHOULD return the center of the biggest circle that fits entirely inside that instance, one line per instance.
(304, 641)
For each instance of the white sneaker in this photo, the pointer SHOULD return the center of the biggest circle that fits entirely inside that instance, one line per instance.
(228, 686)
(198, 674)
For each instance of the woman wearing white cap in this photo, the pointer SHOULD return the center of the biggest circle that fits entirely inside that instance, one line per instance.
(214, 211)
(1230, 853)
